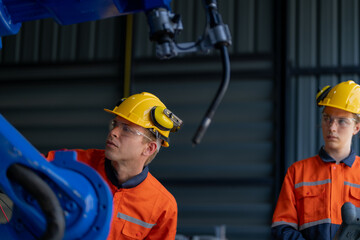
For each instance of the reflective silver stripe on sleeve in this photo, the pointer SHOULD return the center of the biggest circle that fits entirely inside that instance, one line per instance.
(134, 220)
(352, 184)
(311, 224)
(312, 183)
(275, 224)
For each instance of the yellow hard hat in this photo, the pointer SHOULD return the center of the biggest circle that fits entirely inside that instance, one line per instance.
(146, 110)
(345, 96)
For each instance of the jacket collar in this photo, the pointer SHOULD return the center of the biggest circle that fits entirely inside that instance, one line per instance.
(132, 182)
(349, 160)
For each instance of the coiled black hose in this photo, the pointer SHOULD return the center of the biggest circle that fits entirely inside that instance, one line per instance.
(46, 198)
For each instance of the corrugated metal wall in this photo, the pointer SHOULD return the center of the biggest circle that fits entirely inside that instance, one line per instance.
(323, 49)
(44, 41)
(228, 178)
(55, 81)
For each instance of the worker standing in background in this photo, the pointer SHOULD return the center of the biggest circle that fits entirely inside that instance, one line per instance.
(142, 207)
(314, 189)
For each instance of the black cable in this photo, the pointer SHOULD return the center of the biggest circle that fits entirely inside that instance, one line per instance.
(189, 47)
(195, 43)
(48, 202)
(219, 95)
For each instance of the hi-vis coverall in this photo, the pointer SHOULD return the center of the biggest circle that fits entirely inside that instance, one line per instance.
(312, 194)
(142, 207)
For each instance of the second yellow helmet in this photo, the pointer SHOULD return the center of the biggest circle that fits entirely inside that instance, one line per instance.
(345, 96)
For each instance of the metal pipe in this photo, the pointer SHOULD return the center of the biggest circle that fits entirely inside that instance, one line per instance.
(218, 97)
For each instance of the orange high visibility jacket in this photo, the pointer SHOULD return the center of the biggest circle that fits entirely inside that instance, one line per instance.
(312, 194)
(142, 207)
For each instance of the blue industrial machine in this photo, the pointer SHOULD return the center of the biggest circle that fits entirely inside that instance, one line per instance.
(14, 12)
(62, 199)
(65, 199)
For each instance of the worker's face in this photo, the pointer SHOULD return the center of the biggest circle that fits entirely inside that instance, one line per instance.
(338, 128)
(124, 141)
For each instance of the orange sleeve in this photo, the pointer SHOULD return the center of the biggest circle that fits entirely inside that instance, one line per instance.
(285, 211)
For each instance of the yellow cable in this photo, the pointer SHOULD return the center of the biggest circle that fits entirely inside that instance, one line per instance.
(128, 54)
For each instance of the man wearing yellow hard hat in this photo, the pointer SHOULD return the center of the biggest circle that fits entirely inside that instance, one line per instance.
(314, 189)
(142, 207)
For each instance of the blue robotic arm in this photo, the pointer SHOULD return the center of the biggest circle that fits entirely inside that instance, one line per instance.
(62, 199)
(13, 13)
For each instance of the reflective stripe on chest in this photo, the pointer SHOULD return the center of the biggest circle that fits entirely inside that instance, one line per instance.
(135, 220)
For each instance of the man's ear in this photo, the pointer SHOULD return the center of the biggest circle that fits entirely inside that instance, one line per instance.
(151, 148)
(357, 128)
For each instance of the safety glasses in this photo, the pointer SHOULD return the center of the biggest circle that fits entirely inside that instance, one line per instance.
(342, 122)
(126, 130)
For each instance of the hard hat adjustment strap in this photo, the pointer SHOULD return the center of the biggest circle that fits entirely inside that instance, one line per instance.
(158, 135)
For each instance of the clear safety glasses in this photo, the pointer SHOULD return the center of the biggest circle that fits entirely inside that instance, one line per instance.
(126, 130)
(340, 121)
